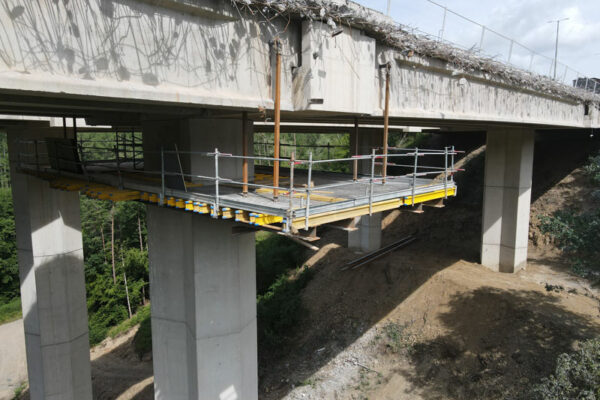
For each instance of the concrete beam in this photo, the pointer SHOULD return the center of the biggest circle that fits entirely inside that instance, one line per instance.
(51, 270)
(506, 199)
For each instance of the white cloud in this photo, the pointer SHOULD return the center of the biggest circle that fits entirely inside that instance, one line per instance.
(526, 21)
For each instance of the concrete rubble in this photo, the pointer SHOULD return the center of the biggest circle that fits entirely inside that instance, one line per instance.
(342, 12)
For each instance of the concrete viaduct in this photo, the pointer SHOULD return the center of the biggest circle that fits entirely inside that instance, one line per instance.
(186, 72)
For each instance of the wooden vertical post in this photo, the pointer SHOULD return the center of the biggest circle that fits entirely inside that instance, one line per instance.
(386, 120)
(277, 46)
(245, 152)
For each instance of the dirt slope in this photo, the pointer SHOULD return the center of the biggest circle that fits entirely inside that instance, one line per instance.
(426, 322)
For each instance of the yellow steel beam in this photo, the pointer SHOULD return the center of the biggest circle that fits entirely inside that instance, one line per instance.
(333, 216)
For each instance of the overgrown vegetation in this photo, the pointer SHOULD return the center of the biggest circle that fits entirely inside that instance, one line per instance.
(280, 308)
(105, 274)
(9, 269)
(323, 146)
(577, 375)
(275, 255)
(578, 233)
(115, 251)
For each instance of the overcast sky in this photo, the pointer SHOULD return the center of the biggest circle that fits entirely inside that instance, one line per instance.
(526, 21)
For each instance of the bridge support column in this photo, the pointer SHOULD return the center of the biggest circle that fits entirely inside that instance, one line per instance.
(506, 199)
(203, 287)
(368, 236)
(50, 254)
(202, 276)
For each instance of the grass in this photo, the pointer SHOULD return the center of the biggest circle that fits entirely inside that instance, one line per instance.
(10, 311)
(142, 341)
(142, 314)
(19, 391)
(396, 337)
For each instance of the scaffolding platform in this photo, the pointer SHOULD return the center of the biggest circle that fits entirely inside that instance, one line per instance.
(304, 197)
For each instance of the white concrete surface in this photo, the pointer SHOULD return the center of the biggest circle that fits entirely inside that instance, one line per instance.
(50, 253)
(201, 135)
(203, 286)
(13, 363)
(207, 54)
(202, 278)
(368, 236)
(506, 199)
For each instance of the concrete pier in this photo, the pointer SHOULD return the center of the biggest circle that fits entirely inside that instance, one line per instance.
(368, 236)
(50, 254)
(202, 277)
(506, 199)
(203, 285)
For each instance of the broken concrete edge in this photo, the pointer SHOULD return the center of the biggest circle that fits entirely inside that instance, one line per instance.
(348, 13)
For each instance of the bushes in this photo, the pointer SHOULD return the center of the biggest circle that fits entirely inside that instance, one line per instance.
(577, 375)
(280, 308)
(578, 234)
(275, 255)
(9, 267)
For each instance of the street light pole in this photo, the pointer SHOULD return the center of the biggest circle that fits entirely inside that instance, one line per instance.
(556, 45)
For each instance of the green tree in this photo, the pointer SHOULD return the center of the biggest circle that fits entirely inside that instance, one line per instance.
(9, 267)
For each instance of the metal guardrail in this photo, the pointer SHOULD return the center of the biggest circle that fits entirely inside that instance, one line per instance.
(31, 156)
(460, 31)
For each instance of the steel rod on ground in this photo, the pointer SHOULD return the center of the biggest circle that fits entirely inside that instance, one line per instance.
(367, 258)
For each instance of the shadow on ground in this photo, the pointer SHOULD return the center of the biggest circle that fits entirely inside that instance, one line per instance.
(499, 354)
(343, 305)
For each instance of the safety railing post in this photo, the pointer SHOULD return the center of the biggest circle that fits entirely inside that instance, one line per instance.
(445, 172)
(162, 176)
(414, 180)
(355, 151)
(82, 160)
(291, 193)
(57, 158)
(118, 160)
(216, 210)
(307, 208)
(133, 147)
(37, 158)
(452, 165)
(371, 181)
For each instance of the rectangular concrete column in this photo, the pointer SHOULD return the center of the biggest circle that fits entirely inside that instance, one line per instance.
(506, 199)
(368, 236)
(203, 290)
(50, 254)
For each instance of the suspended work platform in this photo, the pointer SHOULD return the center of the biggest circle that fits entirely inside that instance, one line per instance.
(317, 197)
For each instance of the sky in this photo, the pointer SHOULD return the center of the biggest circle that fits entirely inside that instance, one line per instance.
(525, 21)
